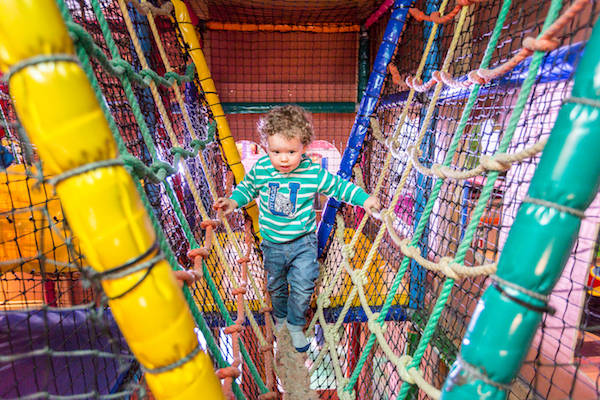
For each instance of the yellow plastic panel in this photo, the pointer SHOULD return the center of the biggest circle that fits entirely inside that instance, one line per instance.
(25, 231)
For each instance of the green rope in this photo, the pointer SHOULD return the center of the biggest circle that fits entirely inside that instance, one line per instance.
(119, 67)
(28, 62)
(433, 197)
(165, 247)
(157, 172)
(179, 153)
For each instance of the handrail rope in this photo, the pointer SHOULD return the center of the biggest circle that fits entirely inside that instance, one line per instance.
(445, 265)
(147, 140)
(546, 42)
(174, 141)
(343, 389)
(191, 130)
(522, 99)
(497, 162)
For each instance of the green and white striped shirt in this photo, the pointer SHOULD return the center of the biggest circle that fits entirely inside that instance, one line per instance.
(285, 200)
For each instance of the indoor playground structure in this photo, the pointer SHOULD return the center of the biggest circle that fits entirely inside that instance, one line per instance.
(475, 122)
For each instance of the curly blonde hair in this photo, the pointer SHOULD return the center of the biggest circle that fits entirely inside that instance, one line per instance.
(291, 121)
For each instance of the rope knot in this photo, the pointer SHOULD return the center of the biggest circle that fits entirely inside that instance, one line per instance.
(213, 223)
(439, 170)
(238, 290)
(446, 267)
(358, 277)
(120, 66)
(393, 146)
(374, 325)
(162, 169)
(235, 328)
(404, 361)
(541, 44)
(477, 76)
(323, 302)
(347, 251)
(200, 252)
(181, 152)
(243, 260)
(494, 163)
(228, 372)
(189, 277)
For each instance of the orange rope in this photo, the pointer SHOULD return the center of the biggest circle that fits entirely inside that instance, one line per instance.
(325, 28)
(546, 42)
(232, 372)
(199, 254)
(435, 16)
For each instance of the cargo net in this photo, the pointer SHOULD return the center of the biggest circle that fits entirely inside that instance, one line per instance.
(453, 144)
(58, 338)
(375, 332)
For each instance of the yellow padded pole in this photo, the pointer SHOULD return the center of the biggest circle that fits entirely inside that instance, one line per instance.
(230, 152)
(60, 112)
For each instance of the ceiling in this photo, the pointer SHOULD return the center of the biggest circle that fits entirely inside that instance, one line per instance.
(293, 12)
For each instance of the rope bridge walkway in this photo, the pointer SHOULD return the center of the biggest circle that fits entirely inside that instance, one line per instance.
(117, 274)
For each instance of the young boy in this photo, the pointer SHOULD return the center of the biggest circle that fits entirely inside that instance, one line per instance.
(285, 183)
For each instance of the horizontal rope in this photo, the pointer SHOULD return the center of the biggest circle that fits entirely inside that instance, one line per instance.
(83, 169)
(446, 265)
(559, 207)
(28, 62)
(498, 162)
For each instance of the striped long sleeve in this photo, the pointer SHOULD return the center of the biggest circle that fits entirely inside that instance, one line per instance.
(285, 201)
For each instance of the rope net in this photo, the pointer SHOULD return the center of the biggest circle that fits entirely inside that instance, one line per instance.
(451, 149)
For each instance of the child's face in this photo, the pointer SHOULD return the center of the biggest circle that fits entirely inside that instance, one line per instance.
(285, 154)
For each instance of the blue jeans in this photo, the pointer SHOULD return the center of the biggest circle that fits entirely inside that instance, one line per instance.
(295, 264)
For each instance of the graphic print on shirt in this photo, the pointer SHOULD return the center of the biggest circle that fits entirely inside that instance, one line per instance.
(281, 204)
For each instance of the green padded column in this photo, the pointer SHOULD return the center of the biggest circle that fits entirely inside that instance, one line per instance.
(502, 328)
(363, 63)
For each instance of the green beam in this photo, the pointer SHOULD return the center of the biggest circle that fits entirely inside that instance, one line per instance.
(313, 107)
(363, 63)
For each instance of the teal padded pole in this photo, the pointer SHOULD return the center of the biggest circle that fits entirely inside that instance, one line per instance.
(538, 246)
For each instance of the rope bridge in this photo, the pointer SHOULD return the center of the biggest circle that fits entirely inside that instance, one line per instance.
(119, 279)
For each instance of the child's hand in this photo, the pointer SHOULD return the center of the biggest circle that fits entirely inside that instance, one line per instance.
(226, 205)
(372, 206)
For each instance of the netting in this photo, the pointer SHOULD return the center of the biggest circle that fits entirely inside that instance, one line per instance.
(395, 296)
